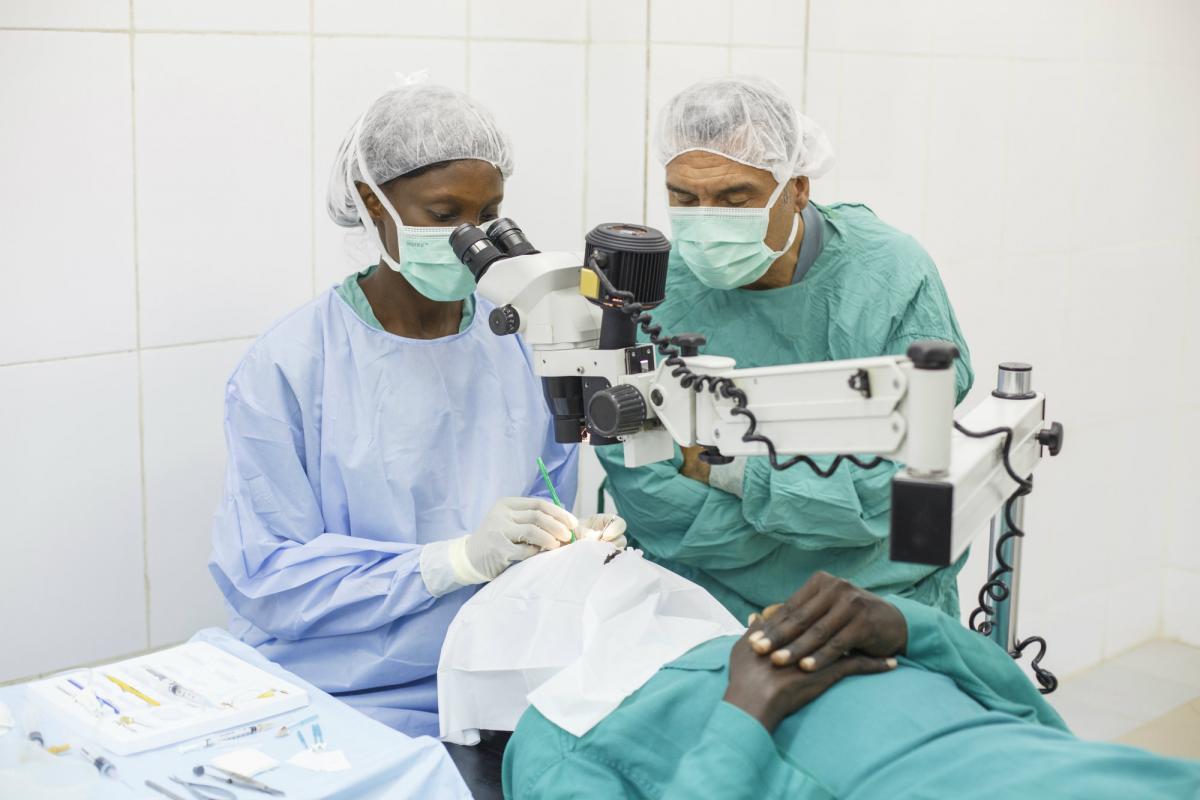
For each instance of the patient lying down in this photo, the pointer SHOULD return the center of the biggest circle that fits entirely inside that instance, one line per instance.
(834, 693)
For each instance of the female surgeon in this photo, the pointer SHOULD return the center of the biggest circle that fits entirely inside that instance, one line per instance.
(383, 443)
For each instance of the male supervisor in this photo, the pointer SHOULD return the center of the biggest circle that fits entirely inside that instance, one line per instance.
(769, 277)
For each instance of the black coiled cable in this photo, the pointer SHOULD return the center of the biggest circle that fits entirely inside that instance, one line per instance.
(996, 590)
(723, 386)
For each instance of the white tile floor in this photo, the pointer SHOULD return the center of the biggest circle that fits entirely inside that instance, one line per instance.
(1125, 692)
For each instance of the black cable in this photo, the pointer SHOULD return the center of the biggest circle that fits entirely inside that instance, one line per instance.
(723, 386)
(995, 589)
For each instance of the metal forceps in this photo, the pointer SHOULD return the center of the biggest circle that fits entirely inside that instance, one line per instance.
(204, 791)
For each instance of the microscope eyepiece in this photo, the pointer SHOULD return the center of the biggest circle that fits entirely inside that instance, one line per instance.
(474, 249)
(509, 238)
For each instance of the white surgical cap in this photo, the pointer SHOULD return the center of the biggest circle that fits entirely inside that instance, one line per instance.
(410, 128)
(747, 119)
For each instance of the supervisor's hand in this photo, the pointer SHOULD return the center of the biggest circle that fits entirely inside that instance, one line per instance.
(827, 618)
(693, 467)
(603, 528)
(769, 693)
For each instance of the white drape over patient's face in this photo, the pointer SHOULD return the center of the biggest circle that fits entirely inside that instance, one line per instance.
(570, 634)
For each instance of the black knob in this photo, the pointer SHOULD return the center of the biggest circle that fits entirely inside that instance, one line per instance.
(689, 344)
(712, 456)
(616, 411)
(932, 354)
(1052, 438)
(504, 320)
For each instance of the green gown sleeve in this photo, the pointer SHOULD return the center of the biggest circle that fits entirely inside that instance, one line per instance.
(681, 519)
(940, 644)
(728, 761)
(850, 507)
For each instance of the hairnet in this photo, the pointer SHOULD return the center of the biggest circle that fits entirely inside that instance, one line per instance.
(747, 119)
(410, 128)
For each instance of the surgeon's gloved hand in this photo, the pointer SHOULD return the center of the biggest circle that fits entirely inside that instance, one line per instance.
(515, 529)
(603, 528)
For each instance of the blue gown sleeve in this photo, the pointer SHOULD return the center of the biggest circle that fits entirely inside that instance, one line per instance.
(274, 560)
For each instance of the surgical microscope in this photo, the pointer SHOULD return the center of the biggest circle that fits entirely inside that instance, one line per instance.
(580, 315)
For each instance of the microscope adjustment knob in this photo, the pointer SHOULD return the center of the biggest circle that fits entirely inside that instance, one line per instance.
(713, 457)
(616, 411)
(504, 320)
(1052, 438)
(689, 344)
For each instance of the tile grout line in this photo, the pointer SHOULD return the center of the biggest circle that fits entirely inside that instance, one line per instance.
(587, 115)
(807, 47)
(137, 328)
(729, 43)
(467, 45)
(127, 350)
(647, 134)
(312, 145)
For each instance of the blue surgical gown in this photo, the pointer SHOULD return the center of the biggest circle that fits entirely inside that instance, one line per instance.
(349, 449)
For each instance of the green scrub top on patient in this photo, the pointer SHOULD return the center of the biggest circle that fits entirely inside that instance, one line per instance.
(352, 293)
(956, 719)
(870, 291)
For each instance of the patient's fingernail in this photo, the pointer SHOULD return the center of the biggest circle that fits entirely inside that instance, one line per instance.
(781, 656)
(754, 617)
(891, 662)
(808, 663)
(760, 642)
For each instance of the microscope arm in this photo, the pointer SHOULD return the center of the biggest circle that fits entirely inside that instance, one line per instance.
(951, 484)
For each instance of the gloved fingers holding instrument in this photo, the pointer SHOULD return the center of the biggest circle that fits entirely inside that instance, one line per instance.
(513, 530)
(603, 528)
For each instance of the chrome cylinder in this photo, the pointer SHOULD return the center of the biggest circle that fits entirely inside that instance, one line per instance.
(1014, 381)
(1004, 613)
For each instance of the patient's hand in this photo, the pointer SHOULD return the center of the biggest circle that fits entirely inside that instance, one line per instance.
(826, 619)
(770, 694)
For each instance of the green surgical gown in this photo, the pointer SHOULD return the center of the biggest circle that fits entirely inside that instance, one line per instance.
(956, 719)
(872, 291)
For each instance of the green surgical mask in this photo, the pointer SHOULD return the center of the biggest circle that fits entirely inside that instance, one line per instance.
(427, 261)
(725, 247)
(429, 264)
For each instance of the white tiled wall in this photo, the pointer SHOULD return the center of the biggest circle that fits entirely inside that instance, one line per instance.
(165, 168)
(1045, 155)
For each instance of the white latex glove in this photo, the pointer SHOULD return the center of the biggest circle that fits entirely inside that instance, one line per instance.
(603, 528)
(514, 529)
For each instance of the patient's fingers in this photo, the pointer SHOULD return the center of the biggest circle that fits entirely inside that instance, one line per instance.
(832, 631)
(792, 620)
(770, 610)
(848, 638)
(859, 665)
